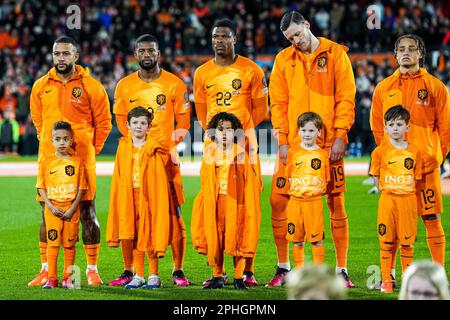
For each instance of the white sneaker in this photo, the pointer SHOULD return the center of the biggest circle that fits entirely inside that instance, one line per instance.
(136, 283)
(368, 182)
(154, 282)
(374, 190)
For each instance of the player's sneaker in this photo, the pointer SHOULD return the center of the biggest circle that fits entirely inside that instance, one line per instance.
(387, 286)
(224, 280)
(67, 283)
(122, 280)
(348, 283)
(368, 182)
(135, 283)
(249, 279)
(179, 279)
(215, 283)
(51, 283)
(93, 278)
(154, 282)
(40, 279)
(373, 190)
(377, 285)
(239, 284)
(278, 278)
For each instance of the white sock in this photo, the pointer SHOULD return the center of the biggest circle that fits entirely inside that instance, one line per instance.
(44, 266)
(91, 267)
(393, 272)
(284, 265)
(340, 269)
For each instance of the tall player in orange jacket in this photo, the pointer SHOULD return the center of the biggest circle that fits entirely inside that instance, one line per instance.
(167, 95)
(69, 93)
(313, 74)
(427, 100)
(235, 84)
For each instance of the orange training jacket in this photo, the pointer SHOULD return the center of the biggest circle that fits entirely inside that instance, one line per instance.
(153, 229)
(427, 100)
(82, 101)
(243, 208)
(325, 86)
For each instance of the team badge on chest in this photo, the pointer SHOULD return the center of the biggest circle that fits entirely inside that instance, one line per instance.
(76, 92)
(161, 99)
(322, 62)
(422, 94)
(236, 84)
(70, 170)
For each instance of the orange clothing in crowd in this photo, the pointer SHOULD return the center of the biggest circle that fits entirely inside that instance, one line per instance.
(153, 218)
(427, 100)
(239, 89)
(322, 82)
(243, 211)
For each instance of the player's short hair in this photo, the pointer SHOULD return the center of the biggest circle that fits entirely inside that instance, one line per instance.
(289, 18)
(319, 277)
(236, 124)
(225, 23)
(63, 125)
(313, 117)
(67, 39)
(146, 38)
(397, 112)
(419, 43)
(141, 112)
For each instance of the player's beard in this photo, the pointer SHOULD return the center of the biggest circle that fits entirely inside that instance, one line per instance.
(148, 67)
(66, 70)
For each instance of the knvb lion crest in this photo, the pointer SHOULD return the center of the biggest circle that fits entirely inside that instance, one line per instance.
(76, 92)
(409, 163)
(161, 99)
(422, 94)
(382, 229)
(316, 163)
(291, 228)
(52, 234)
(70, 170)
(236, 84)
(281, 182)
(322, 62)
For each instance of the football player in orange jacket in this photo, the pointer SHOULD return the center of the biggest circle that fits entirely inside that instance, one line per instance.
(69, 93)
(427, 100)
(313, 74)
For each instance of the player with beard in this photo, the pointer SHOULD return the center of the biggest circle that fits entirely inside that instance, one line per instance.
(167, 96)
(69, 93)
(232, 83)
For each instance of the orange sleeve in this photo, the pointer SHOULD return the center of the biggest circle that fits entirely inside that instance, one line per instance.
(376, 116)
(182, 111)
(121, 122)
(200, 99)
(120, 109)
(101, 114)
(345, 90)
(260, 100)
(375, 165)
(288, 169)
(418, 167)
(40, 184)
(82, 183)
(442, 102)
(36, 108)
(279, 101)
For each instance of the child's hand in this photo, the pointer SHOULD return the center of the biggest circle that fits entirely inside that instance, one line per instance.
(56, 211)
(68, 214)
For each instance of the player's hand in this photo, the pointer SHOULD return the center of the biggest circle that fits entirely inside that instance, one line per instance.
(283, 151)
(174, 156)
(337, 150)
(56, 211)
(68, 214)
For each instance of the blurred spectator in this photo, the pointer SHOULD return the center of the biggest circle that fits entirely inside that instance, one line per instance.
(9, 133)
(424, 280)
(315, 282)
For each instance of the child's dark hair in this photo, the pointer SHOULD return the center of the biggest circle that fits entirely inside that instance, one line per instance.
(397, 112)
(141, 112)
(313, 117)
(224, 116)
(63, 125)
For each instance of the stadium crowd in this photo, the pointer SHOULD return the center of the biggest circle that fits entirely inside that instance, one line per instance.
(109, 28)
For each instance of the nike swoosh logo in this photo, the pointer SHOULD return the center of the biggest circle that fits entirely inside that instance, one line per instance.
(338, 186)
(314, 235)
(133, 100)
(338, 227)
(391, 162)
(71, 239)
(52, 172)
(299, 163)
(427, 208)
(406, 238)
(391, 95)
(207, 87)
(384, 258)
(47, 91)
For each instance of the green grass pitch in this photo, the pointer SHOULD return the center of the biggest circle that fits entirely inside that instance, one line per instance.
(19, 256)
